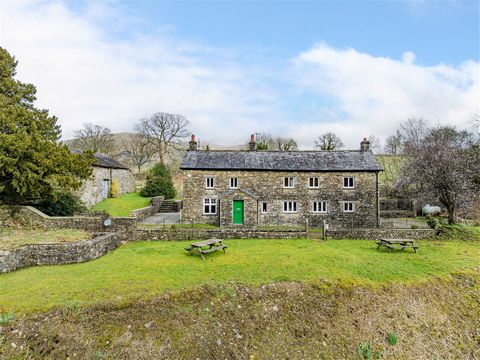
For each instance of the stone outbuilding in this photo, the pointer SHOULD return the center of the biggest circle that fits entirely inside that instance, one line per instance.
(105, 171)
(275, 188)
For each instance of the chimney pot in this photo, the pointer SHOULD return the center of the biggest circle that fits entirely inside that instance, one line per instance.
(252, 145)
(192, 145)
(365, 145)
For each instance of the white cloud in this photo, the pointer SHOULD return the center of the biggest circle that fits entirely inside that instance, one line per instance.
(373, 94)
(89, 65)
(83, 73)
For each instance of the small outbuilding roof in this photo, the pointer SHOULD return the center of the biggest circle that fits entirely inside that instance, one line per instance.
(105, 161)
(343, 160)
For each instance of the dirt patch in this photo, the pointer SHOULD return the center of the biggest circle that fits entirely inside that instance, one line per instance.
(437, 319)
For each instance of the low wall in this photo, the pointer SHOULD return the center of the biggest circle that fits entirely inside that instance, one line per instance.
(199, 234)
(145, 212)
(30, 217)
(58, 253)
(377, 233)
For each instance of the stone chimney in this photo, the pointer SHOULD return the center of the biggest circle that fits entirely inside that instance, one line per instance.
(252, 145)
(192, 145)
(365, 145)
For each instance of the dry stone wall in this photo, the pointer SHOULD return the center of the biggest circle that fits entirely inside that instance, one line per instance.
(58, 253)
(379, 233)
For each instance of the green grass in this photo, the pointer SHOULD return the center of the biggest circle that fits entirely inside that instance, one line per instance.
(122, 205)
(145, 269)
(12, 238)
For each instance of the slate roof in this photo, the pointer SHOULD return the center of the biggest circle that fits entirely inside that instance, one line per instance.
(281, 160)
(102, 160)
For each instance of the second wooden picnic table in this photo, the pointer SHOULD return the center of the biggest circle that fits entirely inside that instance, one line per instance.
(393, 243)
(206, 246)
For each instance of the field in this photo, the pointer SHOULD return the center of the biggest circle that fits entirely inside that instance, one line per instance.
(122, 205)
(12, 238)
(146, 269)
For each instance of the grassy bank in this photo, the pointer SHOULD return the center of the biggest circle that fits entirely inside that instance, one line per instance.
(286, 320)
(145, 269)
(122, 205)
(13, 238)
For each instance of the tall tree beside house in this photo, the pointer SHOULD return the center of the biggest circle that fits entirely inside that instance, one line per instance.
(33, 164)
(94, 138)
(164, 131)
(328, 142)
(159, 183)
(444, 165)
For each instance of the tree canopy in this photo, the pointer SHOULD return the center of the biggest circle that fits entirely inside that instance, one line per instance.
(328, 142)
(32, 162)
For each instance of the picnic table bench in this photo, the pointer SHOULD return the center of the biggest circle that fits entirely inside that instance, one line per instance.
(206, 246)
(397, 244)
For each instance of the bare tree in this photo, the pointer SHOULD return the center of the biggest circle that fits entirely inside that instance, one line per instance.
(95, 138)
(163, 130)
(413, 132)
(394, 144)
(285, 144)
(265, 141)
(375, 144)
(139, 149)
(444, 167)
(328, 142)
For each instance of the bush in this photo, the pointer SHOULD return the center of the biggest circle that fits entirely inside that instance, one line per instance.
(159, 183)
(114, 189)
(432, 222)
(61, 204)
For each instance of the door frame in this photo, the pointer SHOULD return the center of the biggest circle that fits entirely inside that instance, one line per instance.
(243, 211)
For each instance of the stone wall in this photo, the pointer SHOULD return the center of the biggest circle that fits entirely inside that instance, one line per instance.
(200, 234)
(378, 233)
(145, 212)
(255, 187)
(58, 253)
(91, 190)
(30, 217)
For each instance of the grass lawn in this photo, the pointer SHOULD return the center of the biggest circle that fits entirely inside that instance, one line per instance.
(122, 205)
(145, 269)
(12, 238)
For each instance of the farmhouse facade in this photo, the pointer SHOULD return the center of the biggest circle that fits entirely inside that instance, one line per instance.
(269, 188)
(105, 171)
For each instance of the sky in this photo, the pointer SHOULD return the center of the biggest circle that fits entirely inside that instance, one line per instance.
(295, 69)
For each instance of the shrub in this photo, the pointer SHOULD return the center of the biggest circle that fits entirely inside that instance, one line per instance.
(159, 183)
(61, 204)
(114, 189)
(432, 222)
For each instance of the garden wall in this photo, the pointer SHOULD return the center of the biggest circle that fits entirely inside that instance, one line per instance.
(200, 234)
(378, 233)
(145, 212)
(58, 253)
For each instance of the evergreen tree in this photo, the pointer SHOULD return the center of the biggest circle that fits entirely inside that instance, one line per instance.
(159, 183)
(32, 162)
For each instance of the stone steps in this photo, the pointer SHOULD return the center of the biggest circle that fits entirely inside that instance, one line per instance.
(168, 206)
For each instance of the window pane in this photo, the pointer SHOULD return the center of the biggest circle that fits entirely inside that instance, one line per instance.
(213, 209)
(294, 206)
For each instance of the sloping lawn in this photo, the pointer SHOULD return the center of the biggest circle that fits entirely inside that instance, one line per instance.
(122, 205)
(12, 238)
(145, 269)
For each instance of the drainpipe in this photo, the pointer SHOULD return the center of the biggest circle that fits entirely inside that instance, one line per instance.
(378, 203)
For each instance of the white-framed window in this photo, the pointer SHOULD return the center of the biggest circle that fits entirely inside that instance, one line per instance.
(263, 207)
(348, 206)
(289, 182)
(233, 183)
(290, 206)
(319, 207)
(209, 206)
(314, 182)
(348, 182)
(210, 183)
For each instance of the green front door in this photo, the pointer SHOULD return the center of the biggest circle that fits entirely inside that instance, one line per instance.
(238, 212)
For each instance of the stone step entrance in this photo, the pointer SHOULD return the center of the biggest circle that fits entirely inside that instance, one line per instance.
(168, 206)
(162, 219)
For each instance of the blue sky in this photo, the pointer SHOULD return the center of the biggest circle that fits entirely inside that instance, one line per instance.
(294, 69)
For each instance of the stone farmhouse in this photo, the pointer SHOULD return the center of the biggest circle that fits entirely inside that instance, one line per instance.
(261, 188)
(105, 171)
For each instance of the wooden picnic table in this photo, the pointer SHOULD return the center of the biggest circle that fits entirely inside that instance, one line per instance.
(206, 246)
(397, 244)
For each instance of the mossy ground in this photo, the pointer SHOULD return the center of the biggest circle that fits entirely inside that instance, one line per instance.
(11, 238)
